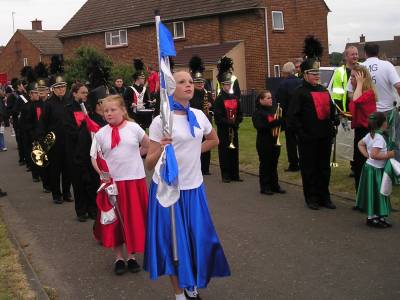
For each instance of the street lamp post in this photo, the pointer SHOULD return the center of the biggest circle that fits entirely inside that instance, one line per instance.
(13, 13)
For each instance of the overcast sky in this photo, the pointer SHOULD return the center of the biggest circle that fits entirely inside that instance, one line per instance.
(377, 20)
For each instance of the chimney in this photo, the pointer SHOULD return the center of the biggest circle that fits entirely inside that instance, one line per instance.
(362, 38)
(36, 24)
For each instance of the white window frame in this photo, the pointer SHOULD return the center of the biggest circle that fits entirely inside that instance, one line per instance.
(25, 61)
(277, 71)
(109, 35)
(274, 27)
(175, 34)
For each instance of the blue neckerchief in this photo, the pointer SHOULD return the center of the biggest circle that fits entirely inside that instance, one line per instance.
(191, 117)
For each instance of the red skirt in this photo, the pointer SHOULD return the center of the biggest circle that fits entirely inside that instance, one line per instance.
(132, 202)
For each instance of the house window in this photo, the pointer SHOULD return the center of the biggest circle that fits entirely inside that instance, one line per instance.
(277, 20)
(177, 29)
(116, 38)
(25, 61)
(277, 71)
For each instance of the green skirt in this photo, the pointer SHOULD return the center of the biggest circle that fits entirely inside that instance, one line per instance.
(369, 199)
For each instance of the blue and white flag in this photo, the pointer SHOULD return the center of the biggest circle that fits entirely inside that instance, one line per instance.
(167, 167)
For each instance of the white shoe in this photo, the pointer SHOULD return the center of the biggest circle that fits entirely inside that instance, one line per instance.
(4, 149)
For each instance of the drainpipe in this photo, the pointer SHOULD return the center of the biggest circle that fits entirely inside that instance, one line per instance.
(267, 41)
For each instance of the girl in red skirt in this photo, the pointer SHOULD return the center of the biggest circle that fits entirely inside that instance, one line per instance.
(121, 144)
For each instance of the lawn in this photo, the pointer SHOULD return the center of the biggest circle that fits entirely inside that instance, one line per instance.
(13, 282)
(340, 183)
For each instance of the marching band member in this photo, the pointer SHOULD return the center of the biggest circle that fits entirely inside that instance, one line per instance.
(312, 115)
(266, 120)
(137, 99)
(228, 116)
(202, 100)
(226, 65)
(122, 142)
(54, 121)
(200, 253)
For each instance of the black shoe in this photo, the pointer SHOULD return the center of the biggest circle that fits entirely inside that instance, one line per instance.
(279, 191)
(238, 179)
(375, 223)
(197, 295)
(119, 267)
(93, 216)
(2, 194)
(292, 169)
(266, 192)
(356, 208)
(313, 205)
(35, 179)
(385, 222)
(133, 266)
(68, 199)
(226, 180)
(21, 163)
(58, 201)
(82, 218)
(351, 174)
(328, 204)
(46, 190)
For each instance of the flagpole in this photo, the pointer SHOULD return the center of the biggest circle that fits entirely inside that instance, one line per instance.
(166, 130)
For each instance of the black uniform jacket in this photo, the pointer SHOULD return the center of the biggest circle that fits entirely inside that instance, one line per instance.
(264, 121)
(129, 96)
(55, 116)
(220, 114)
(312, 114)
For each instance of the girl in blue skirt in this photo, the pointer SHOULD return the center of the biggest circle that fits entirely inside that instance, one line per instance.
(200, 253)
(373, 147)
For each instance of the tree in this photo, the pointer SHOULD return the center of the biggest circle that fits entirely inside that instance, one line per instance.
(85, 61)
(123, 71)
(335, 59)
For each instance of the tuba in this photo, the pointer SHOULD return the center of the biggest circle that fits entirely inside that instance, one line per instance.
(276, 131)
(41, 148)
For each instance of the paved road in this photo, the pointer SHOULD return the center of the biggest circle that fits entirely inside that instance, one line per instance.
(277, 249)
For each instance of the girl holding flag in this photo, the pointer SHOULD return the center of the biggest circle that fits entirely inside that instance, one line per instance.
(121, 143)
(374, 148)
(200, 253)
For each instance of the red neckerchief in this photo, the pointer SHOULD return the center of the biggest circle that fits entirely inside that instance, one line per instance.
(115, 138)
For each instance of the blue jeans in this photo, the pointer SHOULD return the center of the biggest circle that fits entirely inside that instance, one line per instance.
(2, 142)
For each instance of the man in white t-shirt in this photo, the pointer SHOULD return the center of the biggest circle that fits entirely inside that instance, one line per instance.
(384, 76)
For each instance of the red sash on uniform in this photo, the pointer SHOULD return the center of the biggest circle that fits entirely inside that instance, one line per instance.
(38, 112)
(79, 117)
(322, 104)
(231, 108)
(270, 118)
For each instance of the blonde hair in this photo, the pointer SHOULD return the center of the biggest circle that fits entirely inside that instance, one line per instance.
(368, 83)
(120, 101)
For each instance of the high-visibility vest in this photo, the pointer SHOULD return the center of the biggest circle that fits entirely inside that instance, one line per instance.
(339, 86)
(233, 78)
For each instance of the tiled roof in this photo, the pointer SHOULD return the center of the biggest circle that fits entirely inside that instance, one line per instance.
(390, 48)
(102, 15)
(45, 40)
(210, 54)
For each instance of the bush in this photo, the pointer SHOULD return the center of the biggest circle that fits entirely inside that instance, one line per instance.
(123, 71)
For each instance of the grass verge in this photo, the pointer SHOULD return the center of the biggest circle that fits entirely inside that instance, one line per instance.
(13, 282)
(340, 182)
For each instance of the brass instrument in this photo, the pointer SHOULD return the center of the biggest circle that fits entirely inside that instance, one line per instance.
(206, 109)
(276, 131)
(232, 117)
(334, 164)
(41, 148)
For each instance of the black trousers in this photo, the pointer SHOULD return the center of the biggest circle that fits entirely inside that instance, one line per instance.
(291, 148)
(84, 191)
(358, 158)
(315, 169)
(26, 146)
(228, 158)
(268, 155)
(18, 138)
(205, 159)
(58, 171)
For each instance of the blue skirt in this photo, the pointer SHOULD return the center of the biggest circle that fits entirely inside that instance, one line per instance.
(200, 253)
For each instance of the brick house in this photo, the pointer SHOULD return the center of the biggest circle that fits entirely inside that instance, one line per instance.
(28, 48)
(388, 50)
(261, 35)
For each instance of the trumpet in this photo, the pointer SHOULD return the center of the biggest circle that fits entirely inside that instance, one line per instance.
(40, 149)
(276, 131)
(232, 117)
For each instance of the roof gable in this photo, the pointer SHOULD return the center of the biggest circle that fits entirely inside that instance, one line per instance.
(102, 15)
(45, 40)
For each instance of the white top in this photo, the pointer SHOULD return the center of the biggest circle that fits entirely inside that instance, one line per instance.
(384, 76)
(377, 142)
(124, 161)
(187, 148)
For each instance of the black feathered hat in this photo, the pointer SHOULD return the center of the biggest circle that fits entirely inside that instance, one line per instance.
(312, 54)
(139, 69)
(42, 75)
(225, 68)
(196, 69)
